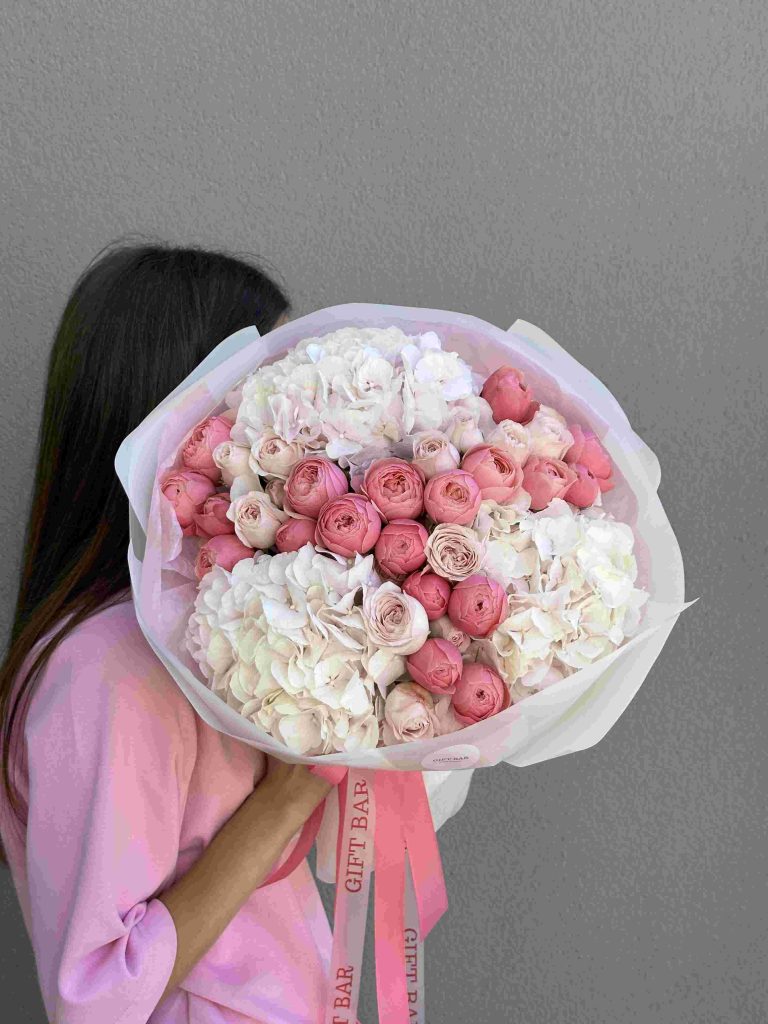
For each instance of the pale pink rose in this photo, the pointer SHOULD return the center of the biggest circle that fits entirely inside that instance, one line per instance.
(452, 497)
(256, 519)
(584, 491)
(211, 520)
(186, 491)
(587, 450)
(409, 714)
(312, 483)
(348, 525)
(548, 433)
(463, 430)
(433, 453)
(480, 693)
(394, 620)
(509, 396)
(197, 453)
(500, 478)
(233, 460)
(225, 550)
(513, 438)
(294, 534)
(454, 552)
(477, 605)
(436, 666)
(399, 550)
(274, 457)
(395, 488)
(275, 491)
(546, 479)
(445, 629)
(430, 590)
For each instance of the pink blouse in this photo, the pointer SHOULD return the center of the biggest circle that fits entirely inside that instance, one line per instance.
(126, 785)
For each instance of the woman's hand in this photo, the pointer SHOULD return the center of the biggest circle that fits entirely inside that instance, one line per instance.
(294, 786)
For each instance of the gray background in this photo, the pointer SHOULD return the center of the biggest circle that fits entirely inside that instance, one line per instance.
(597, 168)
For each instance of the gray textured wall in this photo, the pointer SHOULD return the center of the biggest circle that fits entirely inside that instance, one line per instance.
(597, 168)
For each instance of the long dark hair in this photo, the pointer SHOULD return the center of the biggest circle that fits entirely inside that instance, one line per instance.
(138, 321)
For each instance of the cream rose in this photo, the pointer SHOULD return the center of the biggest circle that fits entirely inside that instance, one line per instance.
(273, 457)
(454, 552)
(513, 438)
(256, 519)
(548, 433)
(433, 453)
(394, 620)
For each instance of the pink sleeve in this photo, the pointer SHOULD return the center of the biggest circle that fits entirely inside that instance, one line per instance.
(110, 744)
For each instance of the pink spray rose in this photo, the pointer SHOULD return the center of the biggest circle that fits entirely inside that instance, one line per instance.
(431, 591)
(348, 525)
(546, 479)
(395, 488)
(433, 453)
(436, 666)
(409, 714)
(452, 497)
(294, 534)
(500, 478)
(211, 520)
(480, 693)
(197, 453)
(187, 490)
(313, 482)
(225, 550)
(509, 396)
(444, 629)
(584, 491)
(477, 605)
(589, 452)
(400, 548)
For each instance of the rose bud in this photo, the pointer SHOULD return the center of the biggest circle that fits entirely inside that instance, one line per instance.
(400, 548)
(312, 482)
(500, 478)
(186, 491)
(430, 590)
(348, 525)
(225, 550)
(436, 666)
(587, 450)
(444, 629)
(409, 714)
(256, 519)
(433, 453)
(452, 497)
(395, 488)
(211, 520)
(233, 460)
(546, 479)
(548, 433)
(584, 491)
(477, 605)
(272, 456)
(294, 534)
(197, 453)
(480, 693)
(509, 396)
(463, 430)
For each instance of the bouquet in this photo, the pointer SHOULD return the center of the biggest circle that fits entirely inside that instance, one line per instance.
(395, 540)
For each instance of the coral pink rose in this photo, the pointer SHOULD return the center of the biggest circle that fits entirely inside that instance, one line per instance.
(395, 488)
(348, 525)
(186, 491)
(294, 534)
(409, 714)
(509, 396)
(433, 453)
(584, 491)
(211, 520)
(197, 453)
(431, 591)
(496, 471)
(436, 666)
(480, 693)
(452, 497)
(313, 482)
(225, 551)
(477, 605)
(587, 450)
(546, 479)
(400, 548)
(444, 629)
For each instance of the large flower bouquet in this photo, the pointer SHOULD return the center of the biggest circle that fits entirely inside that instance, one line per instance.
(398, 539)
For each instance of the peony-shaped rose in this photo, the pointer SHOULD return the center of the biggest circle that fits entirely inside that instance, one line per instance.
(409, 714)
(509, 396)
(395, 488)
(546, 479)
(256, 519)
(548, 433)
(430, 590)
(436, 666)
(477, 605)
(500, 478)
(394, 620)
(452, 497)
(480, 693)
(295, 533)
(454, 552)
(348, 525)
(313, 482)
(212, 520)
(197, 452)
(275, 491)
(233, 460)
(399, 550)
(433, 453)
(225, 551)
(588, 451)
(513, 438)
(584, 491)
(445, 630)
(187, 491)
(273, 457)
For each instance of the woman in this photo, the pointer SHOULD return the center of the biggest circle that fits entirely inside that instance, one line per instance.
(137, 836)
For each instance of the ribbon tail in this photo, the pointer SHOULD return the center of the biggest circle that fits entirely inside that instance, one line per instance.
(389, 900)
(424, 854)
